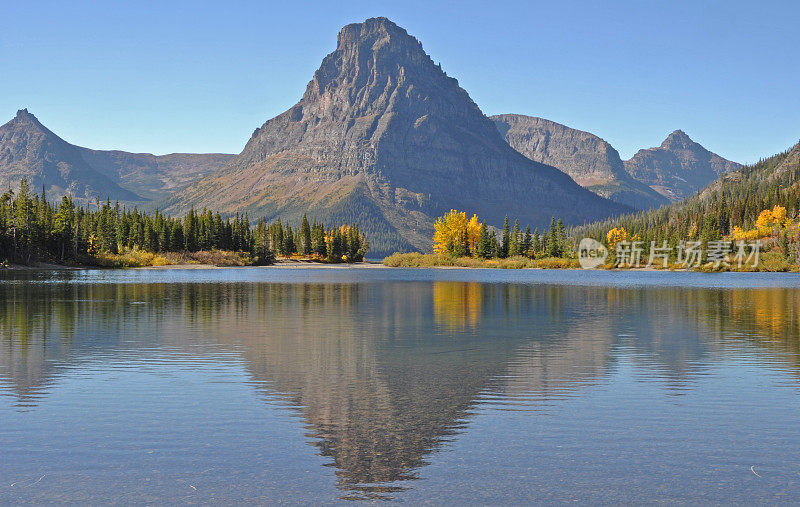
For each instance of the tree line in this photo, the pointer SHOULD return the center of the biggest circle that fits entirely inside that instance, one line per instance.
(32, 229)
(458, 236)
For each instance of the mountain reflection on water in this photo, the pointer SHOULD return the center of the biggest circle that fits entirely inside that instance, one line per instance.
(386, 374)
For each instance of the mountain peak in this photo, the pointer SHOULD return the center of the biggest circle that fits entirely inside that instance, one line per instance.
(27, 122)
(678, 139)
(679, 167)
(29, 149)
(378, 44)
(588, 159)
(24, 116)
(371, 29)
(383, 132)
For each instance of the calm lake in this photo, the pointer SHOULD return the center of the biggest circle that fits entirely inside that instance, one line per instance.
(448, 386)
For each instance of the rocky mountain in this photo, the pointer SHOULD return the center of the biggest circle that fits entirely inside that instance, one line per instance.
(679, 167)
(589, 160)
(30, 150)
(384, 137)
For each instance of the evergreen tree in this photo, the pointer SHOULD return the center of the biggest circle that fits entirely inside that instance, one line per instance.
(494, 248)
(484, 247)
(504, 248)
(527, 242)
(305, 232)
(31, 228)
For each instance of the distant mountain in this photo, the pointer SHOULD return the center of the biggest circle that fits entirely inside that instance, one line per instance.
(589, 160)
(30, 150)
(384, 137)
(155, 176)
(679, 167)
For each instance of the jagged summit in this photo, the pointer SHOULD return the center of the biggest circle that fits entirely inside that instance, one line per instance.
(383, 136)
(25, 118)
(374, 29)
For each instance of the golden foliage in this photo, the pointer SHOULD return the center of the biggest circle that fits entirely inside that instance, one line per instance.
(767, 221)
(131, 258)
(454, 230)
(93, 249)
(774, 217)
(764, 219)
(616, 235)
(740, 234)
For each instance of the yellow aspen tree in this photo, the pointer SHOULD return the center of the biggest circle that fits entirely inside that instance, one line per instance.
(473, 233)
(616, 235)
(449, 230)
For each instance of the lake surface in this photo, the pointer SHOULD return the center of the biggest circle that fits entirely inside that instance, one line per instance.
(448, 386)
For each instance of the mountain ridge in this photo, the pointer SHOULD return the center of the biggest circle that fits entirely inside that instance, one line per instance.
(30, 150)
(591, 161)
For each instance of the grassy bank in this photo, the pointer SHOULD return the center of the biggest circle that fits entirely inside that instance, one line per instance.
(418, 260)
(768, 262)
(135, 258)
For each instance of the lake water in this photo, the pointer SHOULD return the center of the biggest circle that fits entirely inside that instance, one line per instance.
(449, 386)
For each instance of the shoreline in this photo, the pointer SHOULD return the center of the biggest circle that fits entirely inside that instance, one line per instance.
(282, 263)
(306, 264)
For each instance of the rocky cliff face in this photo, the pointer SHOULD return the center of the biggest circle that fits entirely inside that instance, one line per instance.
(30, 150)
(589, 160)
(679, 167)
(383, 136)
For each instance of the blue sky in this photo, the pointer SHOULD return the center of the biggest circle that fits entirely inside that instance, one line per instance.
(201, 76)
